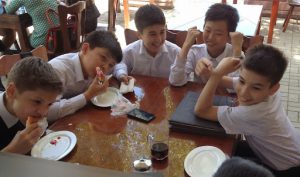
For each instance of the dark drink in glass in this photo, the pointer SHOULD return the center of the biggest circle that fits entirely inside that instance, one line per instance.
(159, 150)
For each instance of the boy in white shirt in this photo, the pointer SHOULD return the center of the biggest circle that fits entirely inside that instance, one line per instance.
(78, 73)
(152, 55)
(260, 116)
(220, 22)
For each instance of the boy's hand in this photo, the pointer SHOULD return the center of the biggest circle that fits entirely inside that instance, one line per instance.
(96, 88)
(227, 65)
(125, 79)
(191, 37)
(204, 67)
(25, 139)
(237, 40)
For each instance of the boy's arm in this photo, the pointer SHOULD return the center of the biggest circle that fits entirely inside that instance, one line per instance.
(237, 40)
(180, 70)
(189, 41)
(24, 140)
(204, 107)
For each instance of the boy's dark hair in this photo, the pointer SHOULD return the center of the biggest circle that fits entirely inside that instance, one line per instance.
(267, 61)
(107, 40)
(32, 73)
(149, 15)
(223, 12)
(238, 167)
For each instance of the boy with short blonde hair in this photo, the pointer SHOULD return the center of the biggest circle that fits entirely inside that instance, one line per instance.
(32, 87)
(260, 116)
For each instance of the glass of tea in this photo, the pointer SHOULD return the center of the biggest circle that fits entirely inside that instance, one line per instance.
(159, 146)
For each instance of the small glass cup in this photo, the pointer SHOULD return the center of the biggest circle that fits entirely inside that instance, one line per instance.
(159, 146)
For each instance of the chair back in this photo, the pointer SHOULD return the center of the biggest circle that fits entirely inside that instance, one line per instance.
(77, 11)
(233, 1)
(18, 23)
(175, 36)
(7, 61)
(178, 37)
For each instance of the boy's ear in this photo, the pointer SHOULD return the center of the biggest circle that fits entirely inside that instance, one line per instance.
(274, 89)
(85, 47)
(10, 90)
(139, 34)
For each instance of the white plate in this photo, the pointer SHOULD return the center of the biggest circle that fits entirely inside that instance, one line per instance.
(54, 146)
(106, 99)
(203, 161)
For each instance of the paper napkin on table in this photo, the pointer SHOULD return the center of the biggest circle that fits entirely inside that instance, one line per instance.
(127, 88)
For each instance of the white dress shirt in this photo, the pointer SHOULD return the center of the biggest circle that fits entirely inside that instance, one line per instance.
(136, 60)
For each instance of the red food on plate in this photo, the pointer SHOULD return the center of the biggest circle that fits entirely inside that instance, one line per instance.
(53, 142)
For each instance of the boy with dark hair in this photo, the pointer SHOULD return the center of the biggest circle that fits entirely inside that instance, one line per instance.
(152, 55)
(220, 23)
(260, 116)
(238, 167)
(32, 87)
(78, 73)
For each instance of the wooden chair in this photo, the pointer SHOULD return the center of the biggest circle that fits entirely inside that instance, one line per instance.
(292, 4)
(175, 36)
(18, 23)
(7, 61)
(233, 1)
(76, 10)
(178, 37)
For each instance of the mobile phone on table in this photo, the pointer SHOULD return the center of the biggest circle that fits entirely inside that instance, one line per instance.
(140, 115)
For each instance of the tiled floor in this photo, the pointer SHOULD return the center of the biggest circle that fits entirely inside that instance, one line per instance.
(289, 42)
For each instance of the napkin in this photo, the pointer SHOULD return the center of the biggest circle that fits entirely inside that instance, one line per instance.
(43, 123)
(127, 88)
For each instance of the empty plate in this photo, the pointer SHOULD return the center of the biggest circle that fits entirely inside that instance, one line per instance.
(203, 161)
(54, 146)
(106, 99)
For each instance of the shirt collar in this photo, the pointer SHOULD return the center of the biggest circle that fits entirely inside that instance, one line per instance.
(7, 117)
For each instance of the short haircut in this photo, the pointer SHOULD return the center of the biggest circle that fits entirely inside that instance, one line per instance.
(107, 40)
(149, 15)
(32, 73)
(267, 61)
(223, 12)
(238, 167)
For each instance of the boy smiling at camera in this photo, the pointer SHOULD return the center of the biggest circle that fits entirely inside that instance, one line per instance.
(152, 55)
(260, 117)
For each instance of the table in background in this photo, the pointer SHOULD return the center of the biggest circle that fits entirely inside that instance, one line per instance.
(115, 142)
(249, 23)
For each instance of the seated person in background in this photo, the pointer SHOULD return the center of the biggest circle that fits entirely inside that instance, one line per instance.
(32, 87)
(92, 14)
(77, 71)
(152, 55)
(260, 117)
(37, 11)
(220, 20)
(238, 167)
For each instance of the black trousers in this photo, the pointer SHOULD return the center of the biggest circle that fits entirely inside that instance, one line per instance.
(243, 150)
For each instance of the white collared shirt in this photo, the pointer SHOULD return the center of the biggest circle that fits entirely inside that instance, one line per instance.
(136, 60)
(68, 68)
(181, 69)
(9, 119)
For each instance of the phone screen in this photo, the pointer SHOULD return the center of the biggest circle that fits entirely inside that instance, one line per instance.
(141, 115)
